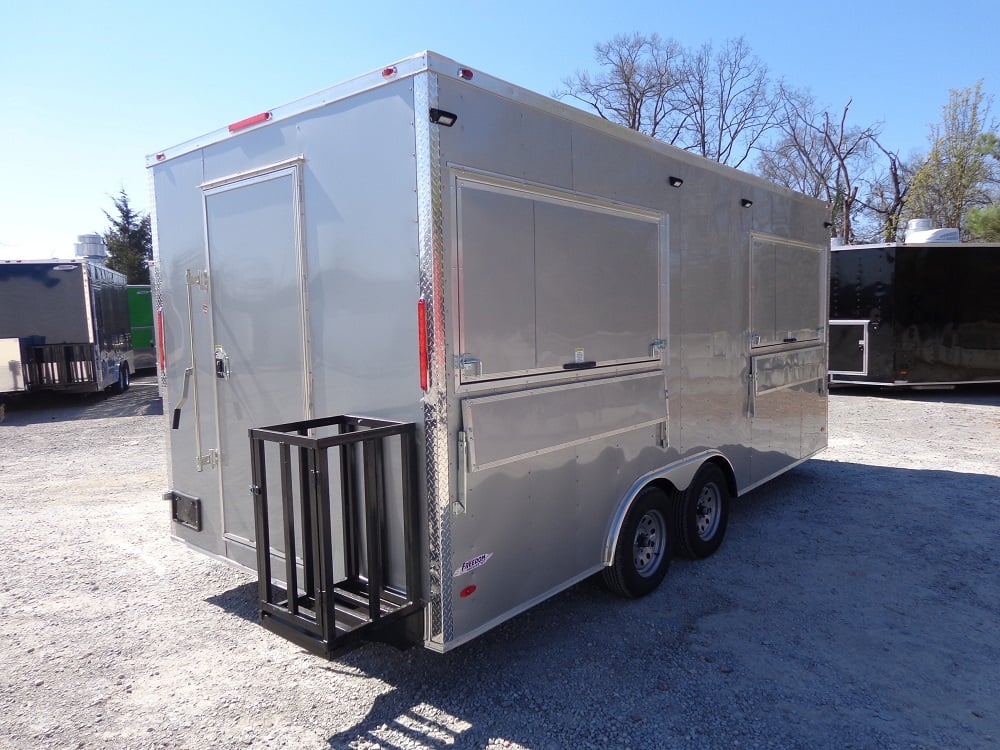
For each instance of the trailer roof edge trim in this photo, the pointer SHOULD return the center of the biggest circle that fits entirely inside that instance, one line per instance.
(366, 82)
(428, 61)
(916, 246)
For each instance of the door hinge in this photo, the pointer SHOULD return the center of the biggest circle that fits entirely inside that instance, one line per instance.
(656, 348)
(210, 459)
(661, 438)
(197, 278)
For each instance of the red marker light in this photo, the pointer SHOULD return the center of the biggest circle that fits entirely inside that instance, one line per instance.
(161, 157)
(422, 341)
(467, 591)
(161, 349)
(389, 72)
(465, 74)
(255, 120)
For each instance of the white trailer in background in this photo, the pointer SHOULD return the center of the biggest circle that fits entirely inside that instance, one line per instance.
(484, 345)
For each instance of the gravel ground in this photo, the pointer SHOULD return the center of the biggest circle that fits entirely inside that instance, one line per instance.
(855, 604)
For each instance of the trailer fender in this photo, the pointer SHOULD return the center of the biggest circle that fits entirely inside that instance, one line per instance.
(679, 475)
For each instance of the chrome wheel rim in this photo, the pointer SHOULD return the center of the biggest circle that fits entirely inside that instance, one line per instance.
(650, 543)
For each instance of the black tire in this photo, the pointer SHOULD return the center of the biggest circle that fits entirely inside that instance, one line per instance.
(124, 380)
(702, 513)
(644, 547)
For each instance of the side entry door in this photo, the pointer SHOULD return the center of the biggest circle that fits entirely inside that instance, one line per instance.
(256, 266)
(849, 347)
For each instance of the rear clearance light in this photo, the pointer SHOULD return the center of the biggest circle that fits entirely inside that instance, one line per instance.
(465, 74)
(389, 72)
(422, 341)
(255, 120)
(160, 348)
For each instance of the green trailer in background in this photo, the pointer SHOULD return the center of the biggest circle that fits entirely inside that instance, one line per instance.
(140, 315)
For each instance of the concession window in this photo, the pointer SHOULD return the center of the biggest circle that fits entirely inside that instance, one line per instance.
(550, 282)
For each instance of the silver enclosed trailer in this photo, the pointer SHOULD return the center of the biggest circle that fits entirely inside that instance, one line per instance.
(64, 325)
(438, 348)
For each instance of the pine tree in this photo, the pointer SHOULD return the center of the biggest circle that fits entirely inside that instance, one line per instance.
(129, 240)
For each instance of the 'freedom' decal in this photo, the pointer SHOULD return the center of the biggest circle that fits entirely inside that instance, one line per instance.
(472, 564)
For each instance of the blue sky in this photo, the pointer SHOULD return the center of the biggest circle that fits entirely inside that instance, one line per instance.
(89, 89)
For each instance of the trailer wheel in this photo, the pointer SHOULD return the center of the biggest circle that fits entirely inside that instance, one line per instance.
(644, 547)
(124, 380)
(702, 513)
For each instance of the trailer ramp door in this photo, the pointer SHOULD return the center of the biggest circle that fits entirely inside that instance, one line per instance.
(257, 301)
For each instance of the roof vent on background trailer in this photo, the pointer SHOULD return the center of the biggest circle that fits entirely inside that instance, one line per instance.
(90, 246)
(922, 230)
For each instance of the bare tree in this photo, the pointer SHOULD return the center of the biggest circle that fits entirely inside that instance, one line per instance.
(638, 76)
(821, 155)
(851, 149)
(727, 106)
(887, 193)
(714, 103)
(800, 159)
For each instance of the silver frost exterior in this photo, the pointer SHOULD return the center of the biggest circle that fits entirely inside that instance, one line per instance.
(591, 328)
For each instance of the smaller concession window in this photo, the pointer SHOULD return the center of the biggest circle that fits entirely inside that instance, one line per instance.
(785, 306)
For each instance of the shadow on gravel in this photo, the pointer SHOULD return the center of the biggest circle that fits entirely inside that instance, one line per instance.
(980, 394)
(842, 591)
(240, 601)
(141, 399)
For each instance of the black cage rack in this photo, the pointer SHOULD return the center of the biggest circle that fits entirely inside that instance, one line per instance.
(335, 554)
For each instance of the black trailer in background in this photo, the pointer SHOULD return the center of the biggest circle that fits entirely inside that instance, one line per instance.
(64, 326)
(919, 314)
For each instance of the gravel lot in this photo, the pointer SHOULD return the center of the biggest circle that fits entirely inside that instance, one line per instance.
(855, 604)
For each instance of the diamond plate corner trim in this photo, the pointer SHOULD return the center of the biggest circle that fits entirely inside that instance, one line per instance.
(156, 284)
(435, 401)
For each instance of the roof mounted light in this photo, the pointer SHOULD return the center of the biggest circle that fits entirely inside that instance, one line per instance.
(675, 181)
(389, 72)
(249, 121)
(440, 117)
(465, 74)
(746, 202)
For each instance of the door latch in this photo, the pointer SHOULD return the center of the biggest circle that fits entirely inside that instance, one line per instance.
(469, 365)
(221, 363)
